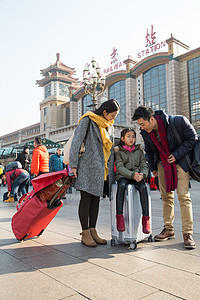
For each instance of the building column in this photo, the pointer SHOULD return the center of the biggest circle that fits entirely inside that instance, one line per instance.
(173, 88)
(184, 90)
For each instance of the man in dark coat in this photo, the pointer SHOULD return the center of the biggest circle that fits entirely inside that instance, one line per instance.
(166, 158)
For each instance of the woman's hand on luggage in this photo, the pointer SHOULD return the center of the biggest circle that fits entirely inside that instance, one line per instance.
(74, 170)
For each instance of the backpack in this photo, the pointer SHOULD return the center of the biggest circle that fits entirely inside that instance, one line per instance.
(68, 146)
(194, 165)
(13, 165)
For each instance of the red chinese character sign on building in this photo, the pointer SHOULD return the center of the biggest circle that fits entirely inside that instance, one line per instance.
(115, 64)
(152, 45)
(114, 56)
(150, 37)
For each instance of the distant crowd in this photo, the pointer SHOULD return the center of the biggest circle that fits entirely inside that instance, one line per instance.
(17, 174)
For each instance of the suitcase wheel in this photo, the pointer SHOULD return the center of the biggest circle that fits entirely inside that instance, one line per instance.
(150, 238)
(41, 232)
(133, 245)
(22, 239)
(113, 242)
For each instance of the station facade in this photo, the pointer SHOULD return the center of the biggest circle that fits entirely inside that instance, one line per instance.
(167, 80)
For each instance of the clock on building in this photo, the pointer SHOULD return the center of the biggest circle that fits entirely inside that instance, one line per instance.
(63, 90)
(47, 91)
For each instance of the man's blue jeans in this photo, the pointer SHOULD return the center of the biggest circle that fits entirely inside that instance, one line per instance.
(21, 182)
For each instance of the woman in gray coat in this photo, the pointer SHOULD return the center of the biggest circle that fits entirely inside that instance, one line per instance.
(94, 169)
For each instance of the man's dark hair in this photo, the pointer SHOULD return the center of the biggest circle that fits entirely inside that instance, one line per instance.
(38, 141)
(142, 112)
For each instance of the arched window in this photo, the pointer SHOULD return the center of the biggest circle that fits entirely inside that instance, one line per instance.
(86, 101)
(117, 91)
(155, 91)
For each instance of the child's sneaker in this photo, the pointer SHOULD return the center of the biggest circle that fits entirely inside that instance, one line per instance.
(120, 223)
(146, 225)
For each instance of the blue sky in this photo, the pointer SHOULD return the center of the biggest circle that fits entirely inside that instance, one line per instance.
(33, 31)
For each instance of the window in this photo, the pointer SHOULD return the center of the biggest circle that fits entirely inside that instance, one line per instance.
(194, 91)
(67, 115)
(155, 91)
(118, 91)
(45, 111)
(86, 104)
(47, 90)
(45, 126)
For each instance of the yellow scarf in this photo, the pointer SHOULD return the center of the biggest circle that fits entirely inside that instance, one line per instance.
(107, 144)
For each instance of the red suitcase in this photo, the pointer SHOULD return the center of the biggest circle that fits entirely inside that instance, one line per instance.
(34, 214)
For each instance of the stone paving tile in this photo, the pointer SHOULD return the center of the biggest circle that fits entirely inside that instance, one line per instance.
(57, 264)
(53, 238)
(98, 283)
(32, 285)
(26, 249)
(171, 258)
(75, 297)
(122, 264)
(170, 280)
(10, 264)
(6, 237)
(78, 250)
(160, 295)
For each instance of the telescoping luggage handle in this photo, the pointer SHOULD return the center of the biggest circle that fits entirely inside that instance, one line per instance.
(70, 176)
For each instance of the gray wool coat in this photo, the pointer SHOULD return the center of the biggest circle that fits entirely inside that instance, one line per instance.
(90, 166)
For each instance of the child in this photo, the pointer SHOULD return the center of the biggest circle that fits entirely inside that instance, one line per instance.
(132, 168)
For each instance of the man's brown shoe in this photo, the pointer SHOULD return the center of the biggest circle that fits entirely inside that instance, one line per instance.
(189, 242)
(165, 235)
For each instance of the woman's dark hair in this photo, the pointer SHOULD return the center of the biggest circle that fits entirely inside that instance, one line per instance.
(109, 105)
(124, 132)
(26, 147)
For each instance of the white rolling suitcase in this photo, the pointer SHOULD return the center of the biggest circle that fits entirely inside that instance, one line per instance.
(132, 217)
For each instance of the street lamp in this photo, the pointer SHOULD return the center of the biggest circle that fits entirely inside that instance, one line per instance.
(96, 85)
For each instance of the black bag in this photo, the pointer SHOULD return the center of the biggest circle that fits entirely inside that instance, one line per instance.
(194, 165)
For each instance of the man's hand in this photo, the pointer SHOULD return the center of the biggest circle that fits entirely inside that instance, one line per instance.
(155, 173)
(171, 159)
(8, 195)
(74, 170)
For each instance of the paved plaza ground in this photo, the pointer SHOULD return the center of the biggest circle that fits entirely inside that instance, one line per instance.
(57, 266)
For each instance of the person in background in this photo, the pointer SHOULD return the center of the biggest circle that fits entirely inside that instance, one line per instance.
(40, 158)
(56, 161)
(166, 158)
(95, 168)
(16, 179)
(24, 158)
